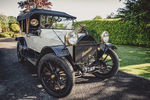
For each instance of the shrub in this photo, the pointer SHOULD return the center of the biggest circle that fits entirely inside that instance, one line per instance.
(15, 27)
(97, 18)
(7, 34)
(5, 29)
(0, 29)
(121, 32)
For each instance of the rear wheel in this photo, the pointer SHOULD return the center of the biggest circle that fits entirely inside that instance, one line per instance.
(108, 65)
(56, 76)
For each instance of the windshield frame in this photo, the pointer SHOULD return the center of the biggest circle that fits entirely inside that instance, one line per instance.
(52, 21)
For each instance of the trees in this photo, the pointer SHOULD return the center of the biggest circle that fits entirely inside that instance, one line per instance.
(4, 23)
(8, 26)
(111, 16)
(137, 11)
(12, 20)
(4, 20)
(32, 4)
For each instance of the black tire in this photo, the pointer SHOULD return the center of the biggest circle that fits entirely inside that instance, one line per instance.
(19, 52)
(114, 68)
(48, 66)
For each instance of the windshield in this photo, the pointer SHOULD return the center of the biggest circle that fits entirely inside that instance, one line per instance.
(55, 22)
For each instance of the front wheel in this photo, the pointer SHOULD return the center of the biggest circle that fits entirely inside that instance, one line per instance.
(108, 65)
(20, 52)
(56, 76)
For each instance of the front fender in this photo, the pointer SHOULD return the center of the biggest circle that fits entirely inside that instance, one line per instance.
(111, 46)
(104, 47)
(60, 51)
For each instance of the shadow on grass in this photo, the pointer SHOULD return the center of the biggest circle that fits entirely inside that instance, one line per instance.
(146, 75)
(132, 55)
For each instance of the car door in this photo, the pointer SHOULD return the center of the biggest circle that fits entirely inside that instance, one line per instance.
(32, 33)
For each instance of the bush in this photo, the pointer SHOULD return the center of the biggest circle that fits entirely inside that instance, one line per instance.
(15, 27)
(97, 18)
(5, 29)
(121, 32)
(0, 29)
(7, 34)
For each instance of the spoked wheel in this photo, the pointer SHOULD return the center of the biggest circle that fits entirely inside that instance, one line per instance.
(56, 76)
(108, 65)
(19, 52)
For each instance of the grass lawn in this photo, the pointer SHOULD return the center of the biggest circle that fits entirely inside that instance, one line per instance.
(135, 60)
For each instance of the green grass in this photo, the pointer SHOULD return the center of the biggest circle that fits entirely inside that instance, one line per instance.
(135, 60)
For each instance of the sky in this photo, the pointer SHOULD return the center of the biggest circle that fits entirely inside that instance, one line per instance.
(82, 9)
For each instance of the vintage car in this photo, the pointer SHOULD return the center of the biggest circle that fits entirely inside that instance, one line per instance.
(60, 51)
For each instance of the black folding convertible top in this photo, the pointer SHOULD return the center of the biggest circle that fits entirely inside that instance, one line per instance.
(42, 11)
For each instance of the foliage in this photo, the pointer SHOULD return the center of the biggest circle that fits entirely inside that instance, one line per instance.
(15, 27)
(12, 20)
(137, 11)
(7, 34)
(97, 18)
(7, 23)
(121, 32)
(0, 27)
(5, 29)
(112, 15)
(32, 4)
(4, 21)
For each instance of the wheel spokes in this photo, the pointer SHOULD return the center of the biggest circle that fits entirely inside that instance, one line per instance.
(106, 64)
(50, 66)
(108, 60)
(54, 77)
(105, 58)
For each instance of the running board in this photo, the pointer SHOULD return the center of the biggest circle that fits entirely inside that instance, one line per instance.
(32, 61)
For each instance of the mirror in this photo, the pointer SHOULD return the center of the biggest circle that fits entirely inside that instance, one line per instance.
(34, 22)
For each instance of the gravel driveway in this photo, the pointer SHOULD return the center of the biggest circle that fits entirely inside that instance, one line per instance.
(20, 82)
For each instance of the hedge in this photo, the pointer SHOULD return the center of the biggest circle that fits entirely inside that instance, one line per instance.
(121, 32)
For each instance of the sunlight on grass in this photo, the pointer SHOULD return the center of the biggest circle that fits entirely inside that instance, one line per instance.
(141, 69)
(135, 60)
(109, 19)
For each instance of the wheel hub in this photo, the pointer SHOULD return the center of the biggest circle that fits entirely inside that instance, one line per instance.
(52, 76)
